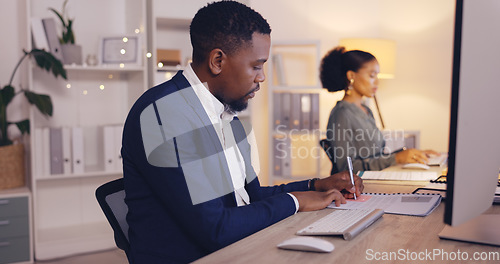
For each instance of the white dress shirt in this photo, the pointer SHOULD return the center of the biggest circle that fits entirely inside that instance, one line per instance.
(221, 122)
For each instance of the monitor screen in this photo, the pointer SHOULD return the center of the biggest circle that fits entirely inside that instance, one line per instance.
(474, 147)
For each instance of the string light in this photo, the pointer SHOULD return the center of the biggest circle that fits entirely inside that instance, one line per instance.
(85, 92)
(149, 55)
(122, 65)
(160, 64)
(123, 51)
(101, 87)
(125, 39)
(68, 85)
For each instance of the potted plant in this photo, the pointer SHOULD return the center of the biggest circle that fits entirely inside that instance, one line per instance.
(11, 154)
(72, 53)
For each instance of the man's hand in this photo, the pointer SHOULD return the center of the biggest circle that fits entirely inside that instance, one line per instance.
(341, 181)
(312, 201)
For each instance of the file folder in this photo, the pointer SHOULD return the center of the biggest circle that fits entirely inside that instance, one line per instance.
(39, 154)
(56, 150)
(295, 111)
(66, 150)
(46, 152)
(314, 111)
(78, 149)
(305, 111)
(109, 148)
(285, 110)
(277, 110)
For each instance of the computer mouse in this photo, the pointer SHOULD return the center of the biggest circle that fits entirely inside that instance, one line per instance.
(307, 243)
(418, 166)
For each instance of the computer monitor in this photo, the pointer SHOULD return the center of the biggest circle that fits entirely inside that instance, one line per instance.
(474, 147)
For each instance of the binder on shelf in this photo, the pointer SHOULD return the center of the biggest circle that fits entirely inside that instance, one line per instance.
(39, 154)
(277, 153)
(46, 151)
(295, 111)
(66, 150)
(314, 111)
(277, 110)
(285, 109)
(38, 33)
(305, 111)
(56, 151)
(77, 149)
(286, 159)
(109, 148)
(118, 131)
(49, 25)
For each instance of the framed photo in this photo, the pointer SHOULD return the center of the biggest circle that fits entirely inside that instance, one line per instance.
(120, 49)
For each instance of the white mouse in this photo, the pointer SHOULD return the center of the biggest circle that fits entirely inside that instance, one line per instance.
(418, 166)
(307, 243)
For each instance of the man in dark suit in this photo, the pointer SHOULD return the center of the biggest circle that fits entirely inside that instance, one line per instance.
(190, 185)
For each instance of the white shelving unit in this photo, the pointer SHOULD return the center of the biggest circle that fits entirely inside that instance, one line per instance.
(67, 217)
(295, 153)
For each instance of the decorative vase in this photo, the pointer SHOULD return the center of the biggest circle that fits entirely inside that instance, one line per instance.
(72, 53)
(12, 166)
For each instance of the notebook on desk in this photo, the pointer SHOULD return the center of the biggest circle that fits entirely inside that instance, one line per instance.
(397, 203)
(398, 175)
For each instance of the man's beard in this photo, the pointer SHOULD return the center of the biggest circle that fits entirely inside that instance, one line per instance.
(236, 105)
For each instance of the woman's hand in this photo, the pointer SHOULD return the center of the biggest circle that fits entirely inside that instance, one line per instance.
(414, 156)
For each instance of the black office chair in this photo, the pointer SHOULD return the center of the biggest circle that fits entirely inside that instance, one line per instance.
(327, 147)
(111, 198)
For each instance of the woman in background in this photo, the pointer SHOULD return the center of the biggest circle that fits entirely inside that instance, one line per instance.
(351, 129)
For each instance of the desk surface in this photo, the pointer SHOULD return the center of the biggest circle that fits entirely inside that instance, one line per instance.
(402, 236)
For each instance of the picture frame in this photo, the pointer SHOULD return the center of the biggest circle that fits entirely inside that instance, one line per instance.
(120, 49)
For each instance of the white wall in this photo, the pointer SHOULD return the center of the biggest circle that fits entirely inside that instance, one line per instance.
(419, 97)
(12, 42)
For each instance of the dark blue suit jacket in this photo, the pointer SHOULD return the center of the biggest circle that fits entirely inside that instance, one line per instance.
(165, 225)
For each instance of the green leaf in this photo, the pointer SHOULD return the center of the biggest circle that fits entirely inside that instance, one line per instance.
(41, 101)
(6, 94)
(24, 126)
(58, 15)
(69, 32)
(47, 61)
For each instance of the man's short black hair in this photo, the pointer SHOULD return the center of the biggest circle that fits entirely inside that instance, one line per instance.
(226, 25)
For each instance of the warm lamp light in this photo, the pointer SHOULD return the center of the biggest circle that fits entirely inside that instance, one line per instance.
(384, 50)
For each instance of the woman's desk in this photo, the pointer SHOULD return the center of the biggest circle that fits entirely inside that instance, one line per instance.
(402, 236)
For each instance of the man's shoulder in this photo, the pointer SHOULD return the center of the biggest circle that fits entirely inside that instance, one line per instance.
(177, 83)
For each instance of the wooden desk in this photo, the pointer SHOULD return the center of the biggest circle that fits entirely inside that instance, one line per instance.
(393, 233)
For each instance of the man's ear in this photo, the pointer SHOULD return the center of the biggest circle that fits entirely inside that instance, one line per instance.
(216, 60)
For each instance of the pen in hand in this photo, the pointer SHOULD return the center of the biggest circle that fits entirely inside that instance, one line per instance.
(349, 165)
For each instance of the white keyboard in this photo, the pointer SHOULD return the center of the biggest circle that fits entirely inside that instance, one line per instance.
(348, 223)
(437, 160)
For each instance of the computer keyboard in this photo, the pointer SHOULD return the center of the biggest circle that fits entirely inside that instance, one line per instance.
(348, 223)
(437, 160)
